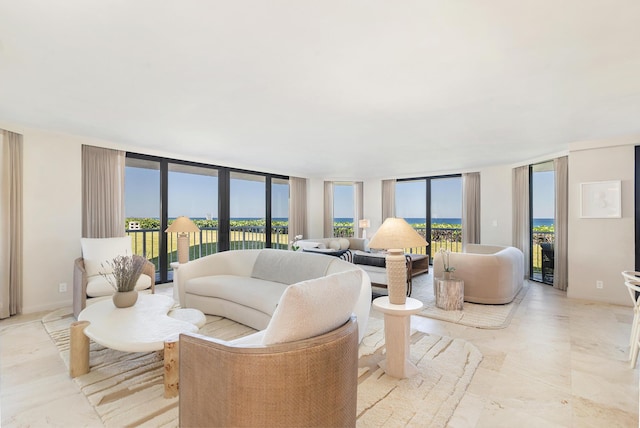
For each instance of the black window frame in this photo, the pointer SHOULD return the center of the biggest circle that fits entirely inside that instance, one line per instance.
(224, 220)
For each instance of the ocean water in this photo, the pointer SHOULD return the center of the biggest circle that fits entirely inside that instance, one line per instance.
(414, 220)
(450, 220)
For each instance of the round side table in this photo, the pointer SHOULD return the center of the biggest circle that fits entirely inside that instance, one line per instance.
(449, 293)
(397, 323)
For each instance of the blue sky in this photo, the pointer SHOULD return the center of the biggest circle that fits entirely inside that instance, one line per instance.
(197, 196)
(543, 194)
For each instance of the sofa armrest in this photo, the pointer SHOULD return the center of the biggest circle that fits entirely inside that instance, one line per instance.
(79, 286)
(311, 382)
(238, 262)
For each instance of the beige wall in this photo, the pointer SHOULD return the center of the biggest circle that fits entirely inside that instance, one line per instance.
(52, 217)
(599, 249)
(495, 206)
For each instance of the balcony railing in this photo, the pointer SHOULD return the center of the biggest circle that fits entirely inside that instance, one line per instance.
(449, 238)
(146, 242)
(539, 238)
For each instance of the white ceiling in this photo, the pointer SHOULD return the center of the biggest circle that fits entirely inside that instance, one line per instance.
(342, 89)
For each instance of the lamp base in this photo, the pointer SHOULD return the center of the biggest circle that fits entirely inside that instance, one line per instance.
(183, 248)
(396, 276)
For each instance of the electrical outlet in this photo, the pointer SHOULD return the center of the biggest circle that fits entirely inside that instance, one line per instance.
(62, 287)
(599, 284)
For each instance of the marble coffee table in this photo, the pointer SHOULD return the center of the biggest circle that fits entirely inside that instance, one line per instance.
(150, 325)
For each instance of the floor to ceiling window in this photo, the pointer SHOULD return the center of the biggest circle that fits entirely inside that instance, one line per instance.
(343, 209)
(142, 207)
(279, 213)
(192, 191)
(542, 203)
(233, 209)
(247, 210)
(433, 206)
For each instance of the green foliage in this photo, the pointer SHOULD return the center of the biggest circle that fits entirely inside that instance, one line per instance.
(154, 223)
(548, 229)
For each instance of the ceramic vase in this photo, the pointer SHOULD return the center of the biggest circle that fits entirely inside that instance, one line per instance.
(125, 299)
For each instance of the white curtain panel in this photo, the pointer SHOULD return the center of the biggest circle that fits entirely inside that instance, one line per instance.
(388, 199)
(298, 208)
(521, 214)
(102, 192)
(11, 244)
(358, 188)
(560, 246)
(471, 208)
(328, 209)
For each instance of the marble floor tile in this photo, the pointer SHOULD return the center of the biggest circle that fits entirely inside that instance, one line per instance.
(559, 363)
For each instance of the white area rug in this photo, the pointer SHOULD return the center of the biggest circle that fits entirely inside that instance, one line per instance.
(472, 314)
(126, 389)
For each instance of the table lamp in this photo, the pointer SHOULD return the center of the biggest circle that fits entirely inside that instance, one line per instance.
(395, 235)
(364, 224)
(183, 226)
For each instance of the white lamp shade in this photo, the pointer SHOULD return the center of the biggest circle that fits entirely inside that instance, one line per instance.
(396, 233)
(182, 225)
(364, 223)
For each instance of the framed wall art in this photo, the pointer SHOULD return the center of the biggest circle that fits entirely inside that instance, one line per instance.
(601, 199)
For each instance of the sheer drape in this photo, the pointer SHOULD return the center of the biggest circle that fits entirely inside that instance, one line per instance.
(102, 192)
(297, 208)
(358, 188)
(470, 208)
(328, 209)
(521, 221)
(10, 224)
(560, 247)
(388, 199)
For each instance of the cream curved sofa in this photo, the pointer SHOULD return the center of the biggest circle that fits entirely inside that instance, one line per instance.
(491, 274)
(246, 285)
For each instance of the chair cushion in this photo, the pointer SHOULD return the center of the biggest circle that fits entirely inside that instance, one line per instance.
(344, 243)
(98, 285)
(308, 244)
(97, 251)
(314, 307)
(378, 260)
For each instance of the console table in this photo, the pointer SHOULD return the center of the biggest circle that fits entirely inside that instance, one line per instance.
(397, 323)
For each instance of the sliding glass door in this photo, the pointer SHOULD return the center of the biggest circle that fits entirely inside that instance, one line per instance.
(192, 191)
(433, 206)
(142, 207)
(280, 214)
(233, 209)
(247, 210)
(542, 194)
(343, 209)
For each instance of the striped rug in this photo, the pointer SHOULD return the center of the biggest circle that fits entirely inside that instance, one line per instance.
(472, 314)
(126, 389)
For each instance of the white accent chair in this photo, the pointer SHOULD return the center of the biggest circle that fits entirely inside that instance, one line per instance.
(88, 281)
(492, 274)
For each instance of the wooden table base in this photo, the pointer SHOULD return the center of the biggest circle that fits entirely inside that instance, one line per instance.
(79, 358)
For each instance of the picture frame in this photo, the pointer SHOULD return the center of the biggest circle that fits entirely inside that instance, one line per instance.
(601, 199)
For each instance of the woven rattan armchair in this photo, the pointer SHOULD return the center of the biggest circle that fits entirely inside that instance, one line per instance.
(311, 382)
